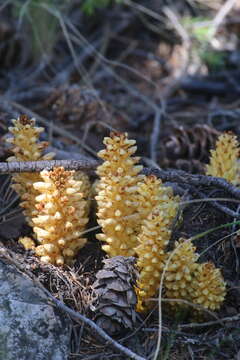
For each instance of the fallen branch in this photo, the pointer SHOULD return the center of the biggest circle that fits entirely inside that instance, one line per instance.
(177, 176)
(213, 203)
(210, 323)
(174, 176)
(37, 166)
(7, 254)
(182, 177)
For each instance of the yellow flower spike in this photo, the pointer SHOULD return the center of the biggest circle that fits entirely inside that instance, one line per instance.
(180, 271)
(27, 243)
(223, 160)
(153, 193)
(61, 216)
(26, 147)
(117, 197)
(86, 188)
(153, 239)
(208, 288)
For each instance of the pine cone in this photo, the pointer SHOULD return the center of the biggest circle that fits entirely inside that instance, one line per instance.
(187, 148)
(78, 104)
(115, 302)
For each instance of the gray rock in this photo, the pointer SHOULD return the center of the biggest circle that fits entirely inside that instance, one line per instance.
(30, 329)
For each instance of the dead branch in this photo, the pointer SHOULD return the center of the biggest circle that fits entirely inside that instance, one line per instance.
(215, 204)
(182, 177)
(189, 181)
(177, 176)
(37, 166)
(210, 323)
(7, 255)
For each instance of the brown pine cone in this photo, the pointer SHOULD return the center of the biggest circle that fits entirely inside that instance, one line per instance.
(76, 104)
(187, 148)
(115, 302)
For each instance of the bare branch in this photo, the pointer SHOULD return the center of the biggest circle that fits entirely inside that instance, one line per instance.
(189, 181)
(37, 166)
(182, 177)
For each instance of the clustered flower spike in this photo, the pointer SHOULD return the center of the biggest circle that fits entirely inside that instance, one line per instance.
(223, 161)
(135, 212)
(153, 239)
(27, 147)
(201, 284)
(152, 193)
(27, 243)
(158, 208)
(86, 189)
(61, 216)
(180, 271)
(117, 197)
(208, 288)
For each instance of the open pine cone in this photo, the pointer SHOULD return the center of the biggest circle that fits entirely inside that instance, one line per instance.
(78, 104)
(115, 302)
(187, 148)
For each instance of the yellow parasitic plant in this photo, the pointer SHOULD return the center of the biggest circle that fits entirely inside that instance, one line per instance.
(180, 271)
(152, 193)
(135, 212)
(86, 189)
(158, 207)
(61, 216)
(27, 243)
(224, 159)
(27, 147)
(117, 197)
(185, 279)
(208, 288)
(153, 239)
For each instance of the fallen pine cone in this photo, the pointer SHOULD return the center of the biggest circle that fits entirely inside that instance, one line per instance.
(187, 149)
(114, 305)
(79, 105)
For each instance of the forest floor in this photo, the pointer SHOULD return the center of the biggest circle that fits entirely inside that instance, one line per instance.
(168, 74)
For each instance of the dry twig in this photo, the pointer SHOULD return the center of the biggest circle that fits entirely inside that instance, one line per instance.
(182, 177)
(37, 166)
(191, 182)
(177, 176)
(210, 323)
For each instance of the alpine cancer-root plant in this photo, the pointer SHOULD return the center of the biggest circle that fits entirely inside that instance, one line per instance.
(57, 202)
(136, 214)
(158, 208)
(180, 270)
(61, 217)
(224, 159)
(153, 239)
(208, 288)
(27, 147)
(117, 197)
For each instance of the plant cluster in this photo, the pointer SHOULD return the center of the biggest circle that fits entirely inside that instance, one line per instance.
(55, 202)
(135, 212)
(146, 217)
(27, 147)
